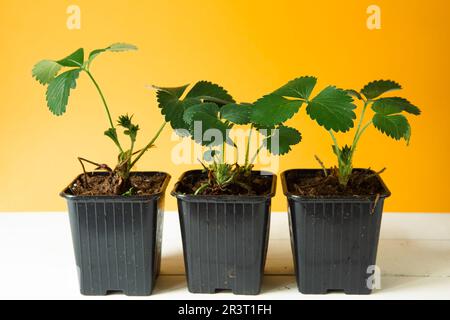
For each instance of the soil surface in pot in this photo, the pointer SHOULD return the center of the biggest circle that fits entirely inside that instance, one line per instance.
(362, 183)
(139, 184)
(259, 185)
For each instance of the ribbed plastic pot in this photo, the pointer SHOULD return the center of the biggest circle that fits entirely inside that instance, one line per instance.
(334, 240)
(225, 240)
(117, 241)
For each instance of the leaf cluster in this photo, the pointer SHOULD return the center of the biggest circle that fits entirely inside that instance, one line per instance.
(389, 112)
(214, 108)
(59, 85)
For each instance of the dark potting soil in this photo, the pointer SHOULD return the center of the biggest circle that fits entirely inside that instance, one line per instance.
(362, 184)
(139, 184)
(259, 185)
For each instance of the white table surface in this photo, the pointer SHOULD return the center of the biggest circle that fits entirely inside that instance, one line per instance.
(37, 261)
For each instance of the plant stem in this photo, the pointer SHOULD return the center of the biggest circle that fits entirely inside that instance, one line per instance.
(256, 155)
(223, 152)
(131, 154)
(102, 96)
(335, 142)
(247, 151)
(152, 142)
(104, 103)
(357, 138)
(358, 130)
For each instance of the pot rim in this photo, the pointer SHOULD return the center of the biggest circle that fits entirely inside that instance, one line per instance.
(387, 193)
(226, 198)
(66, 195)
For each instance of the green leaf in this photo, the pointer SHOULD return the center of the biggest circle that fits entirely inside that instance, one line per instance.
(116, 47)
(112, 134)
(208, 122)
(204, 89)
(76, 59)
(407, 135)
(264, 130)
(377, 88)
(45, 71)
(281, 141)
(395, 126)
(394, 105)
(210, 108)
(58, 91)
(165, 95)
(273, 109)
(236, 113)
(355, 94)
(172, 108)
(333, 109)
(121, 47)
(298, 88)
(173, 113)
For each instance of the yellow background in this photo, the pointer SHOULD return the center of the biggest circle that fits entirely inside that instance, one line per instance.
(251, 48)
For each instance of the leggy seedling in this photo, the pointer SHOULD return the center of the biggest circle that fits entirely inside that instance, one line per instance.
(333, 109)
(207, 106)
(59, 87)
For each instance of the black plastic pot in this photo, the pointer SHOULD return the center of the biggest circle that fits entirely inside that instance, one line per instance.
(225, 240)
(334, 240)
(117, 241)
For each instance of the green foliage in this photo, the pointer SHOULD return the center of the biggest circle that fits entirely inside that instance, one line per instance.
(376, 88)
(395, 126)
(387, 118)
(76, 59)
(116, 47)
(59, 88)
(237, 113)
(394, 105)
(112, 134)
(58, 91)
(284, 103)
(210, 92)
(272, 110)
(333, 109)
(200, 104)
(208, 108)
(282, 140)
(173, 108)
(208, 122)
(45, 71)
(355, 94)
(298, 88)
